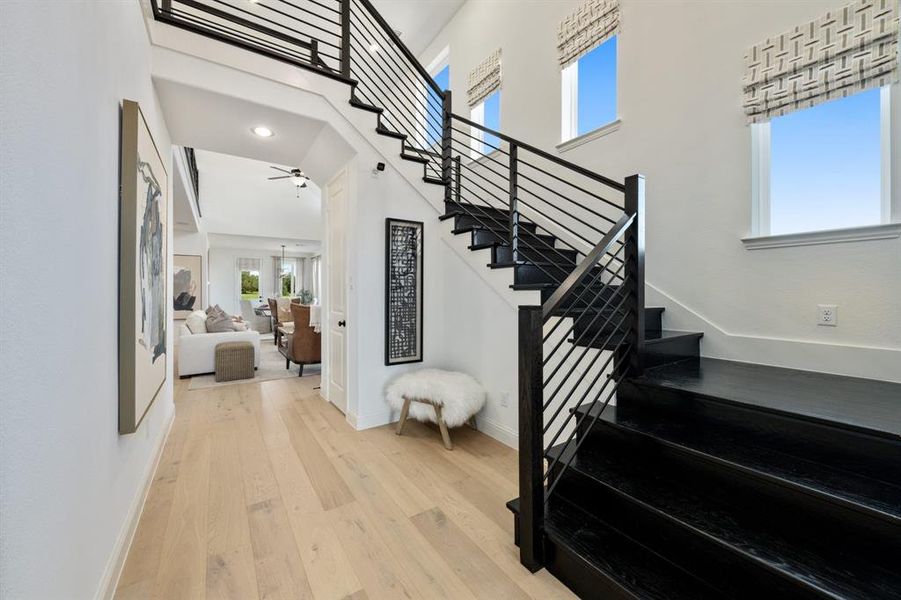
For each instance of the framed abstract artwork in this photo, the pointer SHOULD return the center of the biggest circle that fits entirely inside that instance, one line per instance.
(187, 284)
(143, 296)
(403, 291)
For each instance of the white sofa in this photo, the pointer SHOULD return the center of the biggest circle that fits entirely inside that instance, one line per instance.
(197, 351)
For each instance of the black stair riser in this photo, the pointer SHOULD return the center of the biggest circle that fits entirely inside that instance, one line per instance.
(588, 323)
(487, 236)
(867, 455)
(670, 350)
(711, 562)
(504, 254)
(579, 576)
(500, 224)
(453, 208)
(805, 512)
(542, 273)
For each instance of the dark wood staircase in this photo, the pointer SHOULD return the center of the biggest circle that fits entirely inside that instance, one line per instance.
(738, 481)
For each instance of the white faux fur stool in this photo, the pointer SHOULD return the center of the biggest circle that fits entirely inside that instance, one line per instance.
(443, 397)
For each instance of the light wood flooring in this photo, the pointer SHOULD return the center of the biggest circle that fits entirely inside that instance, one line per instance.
(264, 491)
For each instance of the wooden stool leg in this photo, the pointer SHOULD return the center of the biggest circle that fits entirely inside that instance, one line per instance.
(403, 416)
(441, 425)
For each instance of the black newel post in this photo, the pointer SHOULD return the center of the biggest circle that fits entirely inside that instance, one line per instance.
(514, 202)
(531, 438)
(446, 139)
(634, 268)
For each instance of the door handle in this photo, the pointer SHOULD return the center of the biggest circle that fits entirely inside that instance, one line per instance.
(342, 323)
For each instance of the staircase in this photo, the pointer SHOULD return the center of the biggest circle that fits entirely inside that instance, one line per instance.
(645, 470)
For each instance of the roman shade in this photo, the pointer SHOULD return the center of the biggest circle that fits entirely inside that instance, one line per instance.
(485, 79)
(843, 52)
(591, 25)
(248, 264)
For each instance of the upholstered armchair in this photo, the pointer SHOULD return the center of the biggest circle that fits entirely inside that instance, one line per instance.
(280, 313)
(303, 346)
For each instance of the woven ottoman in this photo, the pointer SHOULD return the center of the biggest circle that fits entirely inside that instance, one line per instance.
(234, 360)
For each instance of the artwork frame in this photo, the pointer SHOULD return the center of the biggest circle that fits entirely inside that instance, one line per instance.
(143, 272)
(187, 290)
(404, 278)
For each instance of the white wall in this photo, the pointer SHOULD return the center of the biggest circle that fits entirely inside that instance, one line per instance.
(681, 67)
(70, 483)
(224, 278)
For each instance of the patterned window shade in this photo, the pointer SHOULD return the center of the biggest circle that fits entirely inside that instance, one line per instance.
(591, 25)
(843, 52)
(248, 264)
(485, 79)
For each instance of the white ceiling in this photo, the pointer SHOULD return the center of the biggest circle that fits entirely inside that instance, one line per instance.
(236, 198)
(207, 120)
(419, 21)
(293, 247)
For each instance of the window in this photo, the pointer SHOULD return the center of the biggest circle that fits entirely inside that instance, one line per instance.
(825, 167)
(287, 276)
(250, 284)
(440, 70)
(589, 91)
(486, 113)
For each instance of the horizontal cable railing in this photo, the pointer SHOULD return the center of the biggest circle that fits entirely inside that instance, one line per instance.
(571, 234)
(306, 33)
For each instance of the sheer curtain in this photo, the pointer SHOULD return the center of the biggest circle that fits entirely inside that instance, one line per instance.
(316, 277)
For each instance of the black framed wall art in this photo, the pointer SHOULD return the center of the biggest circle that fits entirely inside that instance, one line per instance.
(403, 291)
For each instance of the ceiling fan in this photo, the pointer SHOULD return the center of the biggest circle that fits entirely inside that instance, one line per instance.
(297, 177)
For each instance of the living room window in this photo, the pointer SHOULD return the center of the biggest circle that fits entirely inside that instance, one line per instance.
(589, 92)
(488, 114)
(826, 167)
(250, 284)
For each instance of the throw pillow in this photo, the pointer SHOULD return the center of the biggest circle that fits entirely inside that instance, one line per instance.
(196, 322)
(220, 324)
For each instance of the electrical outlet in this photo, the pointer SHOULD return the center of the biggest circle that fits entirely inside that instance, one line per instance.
(827, 315)
(505, 399)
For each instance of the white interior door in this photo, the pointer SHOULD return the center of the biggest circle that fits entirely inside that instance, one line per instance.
(336, 259)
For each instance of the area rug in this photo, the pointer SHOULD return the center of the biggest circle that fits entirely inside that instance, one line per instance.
(272, 366)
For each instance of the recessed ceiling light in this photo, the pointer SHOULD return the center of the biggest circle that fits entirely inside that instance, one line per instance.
(373, 47)
(262, 131)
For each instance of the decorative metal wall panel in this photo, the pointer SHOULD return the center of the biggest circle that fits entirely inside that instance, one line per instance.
(403, 291)
(588, 27)
(843, 52)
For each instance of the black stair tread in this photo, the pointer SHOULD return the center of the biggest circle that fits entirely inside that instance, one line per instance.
(414, 158)
(434, 180)
(639, 571)
(365, 106)
(827, 569)
(663, 335)
(385, 131)
(423, 151)
(758, 454)
(866, 405)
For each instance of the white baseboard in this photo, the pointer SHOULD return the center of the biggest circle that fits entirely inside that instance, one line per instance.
(502, 433)
(113, 571)
(370, 420)
(806, 355)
